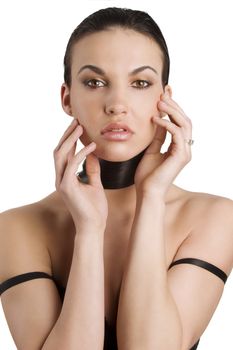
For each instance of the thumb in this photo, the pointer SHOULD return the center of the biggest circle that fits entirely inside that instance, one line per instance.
(93, 170)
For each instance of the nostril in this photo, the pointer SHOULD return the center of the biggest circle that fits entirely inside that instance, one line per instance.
(116, 111)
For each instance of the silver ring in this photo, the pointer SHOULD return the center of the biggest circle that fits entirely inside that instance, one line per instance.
(190, 142)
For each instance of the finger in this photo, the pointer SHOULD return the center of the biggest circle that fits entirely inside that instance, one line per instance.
(93, 170)
(176, 116)
(68, 131)
(69, 145)
(65, 152)
(170, 101)
(176, 133)
(178, 143)
(165, 98)
(73, 164)
(71, 153)
(158, 140)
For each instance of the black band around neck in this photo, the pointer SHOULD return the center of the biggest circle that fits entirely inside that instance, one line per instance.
(115, 175)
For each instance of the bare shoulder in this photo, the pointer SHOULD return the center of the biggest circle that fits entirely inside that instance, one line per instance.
(211, 228)
(206, 207)
(24, 238)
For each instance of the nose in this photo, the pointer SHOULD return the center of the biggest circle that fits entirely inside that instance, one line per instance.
(116, 105)
(116, 109)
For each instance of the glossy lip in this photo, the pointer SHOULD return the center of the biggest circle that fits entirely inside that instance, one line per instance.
(112, 126)
(117, 135)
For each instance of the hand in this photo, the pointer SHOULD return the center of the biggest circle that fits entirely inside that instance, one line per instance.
(156, 171)
(87, 203)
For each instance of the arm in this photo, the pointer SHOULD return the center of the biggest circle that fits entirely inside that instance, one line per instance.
(194, 291)
(176, 304)
(33, 309)
(148, 317)
(147, 314)
(81, 321)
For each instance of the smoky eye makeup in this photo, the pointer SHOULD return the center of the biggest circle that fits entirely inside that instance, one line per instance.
(139, 84)
(142, 84)
(138, 81)
(93, 83)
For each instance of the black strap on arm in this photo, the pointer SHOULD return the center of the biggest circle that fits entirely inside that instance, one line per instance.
(22, 278)
(204, 264)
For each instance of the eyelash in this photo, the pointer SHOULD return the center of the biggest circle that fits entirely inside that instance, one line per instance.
(86, 82)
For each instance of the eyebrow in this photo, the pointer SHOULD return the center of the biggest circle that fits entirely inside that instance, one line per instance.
(102, 72)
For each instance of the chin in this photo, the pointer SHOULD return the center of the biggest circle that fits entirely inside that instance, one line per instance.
(117, 154)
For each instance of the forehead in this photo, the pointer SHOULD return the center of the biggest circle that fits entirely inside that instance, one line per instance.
(117, 47)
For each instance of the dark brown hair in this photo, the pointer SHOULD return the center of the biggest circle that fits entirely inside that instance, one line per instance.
(126, 18)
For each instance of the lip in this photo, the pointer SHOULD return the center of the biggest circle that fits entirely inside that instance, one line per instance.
(109, 134)
(112, 126)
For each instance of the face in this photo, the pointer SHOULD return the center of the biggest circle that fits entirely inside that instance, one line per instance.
(116, 90)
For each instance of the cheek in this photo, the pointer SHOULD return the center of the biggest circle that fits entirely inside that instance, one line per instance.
(87, 114)
(147, 110)
(82, 114)
(147, 104)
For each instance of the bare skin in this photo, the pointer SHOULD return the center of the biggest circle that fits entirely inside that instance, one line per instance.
(54, 219)
(196, 225)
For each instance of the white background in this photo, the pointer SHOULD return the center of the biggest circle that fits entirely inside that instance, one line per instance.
(33, 37)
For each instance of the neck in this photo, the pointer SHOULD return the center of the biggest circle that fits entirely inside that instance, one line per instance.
(115, 175)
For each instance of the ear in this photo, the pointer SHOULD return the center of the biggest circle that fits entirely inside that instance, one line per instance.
(168, 90)
(65, 99)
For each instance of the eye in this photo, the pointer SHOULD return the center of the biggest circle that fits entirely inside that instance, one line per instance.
(142, 84)
(93, 83)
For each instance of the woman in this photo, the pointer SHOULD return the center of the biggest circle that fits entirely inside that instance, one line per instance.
(118, 256)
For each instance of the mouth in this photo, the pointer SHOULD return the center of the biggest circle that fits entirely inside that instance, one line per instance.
(116, 132)
(116, 127)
